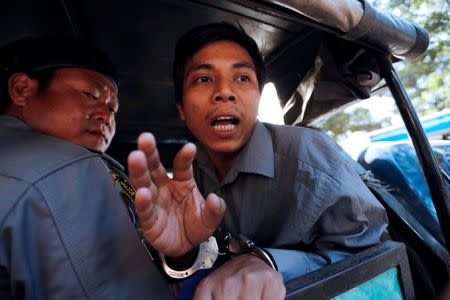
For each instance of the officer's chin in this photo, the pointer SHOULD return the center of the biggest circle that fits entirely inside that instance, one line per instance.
(97, 147)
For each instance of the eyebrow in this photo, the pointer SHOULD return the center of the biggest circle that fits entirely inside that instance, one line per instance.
(205, 66)
(244, 64)
(200, 66)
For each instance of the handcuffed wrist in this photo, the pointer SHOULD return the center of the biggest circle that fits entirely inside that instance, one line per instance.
(204, 258)
(243, 245)
(265, 256)
(182, 262)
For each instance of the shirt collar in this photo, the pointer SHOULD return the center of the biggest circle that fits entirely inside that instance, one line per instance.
(12, 122)
(256, 157)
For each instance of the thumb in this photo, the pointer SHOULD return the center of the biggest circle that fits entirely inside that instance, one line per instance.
(212, 212)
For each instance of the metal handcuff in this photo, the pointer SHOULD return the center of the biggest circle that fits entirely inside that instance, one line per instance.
(208, 252)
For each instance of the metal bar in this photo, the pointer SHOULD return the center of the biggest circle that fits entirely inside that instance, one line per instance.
(445, 174)
(427, 160)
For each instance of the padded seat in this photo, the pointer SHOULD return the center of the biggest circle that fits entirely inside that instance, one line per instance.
(395, 164)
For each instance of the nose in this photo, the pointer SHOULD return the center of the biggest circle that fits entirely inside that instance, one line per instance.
(224, 91)
(104, 113)
(104, 116)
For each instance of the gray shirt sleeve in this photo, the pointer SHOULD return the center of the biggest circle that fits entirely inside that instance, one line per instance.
(294, 263)
(69, 237)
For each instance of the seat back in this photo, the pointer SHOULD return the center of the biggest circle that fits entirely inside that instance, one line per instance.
(397, 167)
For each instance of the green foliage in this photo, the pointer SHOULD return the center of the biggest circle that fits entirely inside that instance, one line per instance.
(426, 79)
(359, 119)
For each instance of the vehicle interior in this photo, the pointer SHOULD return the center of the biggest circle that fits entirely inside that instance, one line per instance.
(321, 57)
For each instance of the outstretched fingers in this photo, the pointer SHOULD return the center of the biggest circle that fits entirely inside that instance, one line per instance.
(149, 214)
(138, 173)
(212, 212)
(147, 144)
(182, 164)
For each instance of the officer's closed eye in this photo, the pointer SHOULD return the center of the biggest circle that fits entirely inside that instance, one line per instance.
(90, 95)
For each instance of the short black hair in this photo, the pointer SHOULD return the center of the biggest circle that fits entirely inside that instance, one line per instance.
(198, 37)
(39, 57)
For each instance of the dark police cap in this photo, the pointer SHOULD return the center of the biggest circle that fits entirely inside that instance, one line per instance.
(32, 55)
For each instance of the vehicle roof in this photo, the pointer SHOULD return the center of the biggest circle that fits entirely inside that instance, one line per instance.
(140, 36)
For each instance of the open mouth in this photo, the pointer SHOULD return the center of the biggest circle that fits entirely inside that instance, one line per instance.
(224, 123)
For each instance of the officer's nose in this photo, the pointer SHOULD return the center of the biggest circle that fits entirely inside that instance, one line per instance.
(104, 112)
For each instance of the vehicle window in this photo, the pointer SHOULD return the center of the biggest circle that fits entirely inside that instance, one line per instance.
(269, 107)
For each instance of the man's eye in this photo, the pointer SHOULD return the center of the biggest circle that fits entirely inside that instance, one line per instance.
(202, 79)
(90, 95)
(243, 78)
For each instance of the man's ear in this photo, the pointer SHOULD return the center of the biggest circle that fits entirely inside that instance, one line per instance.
(21, 87)
(181, 111)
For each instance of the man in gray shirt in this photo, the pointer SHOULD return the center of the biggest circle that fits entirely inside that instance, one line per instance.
(287, 189)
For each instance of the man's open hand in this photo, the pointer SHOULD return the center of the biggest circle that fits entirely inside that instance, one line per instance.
(174, 216)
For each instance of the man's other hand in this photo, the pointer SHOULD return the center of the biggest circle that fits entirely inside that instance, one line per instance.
(243, 277)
